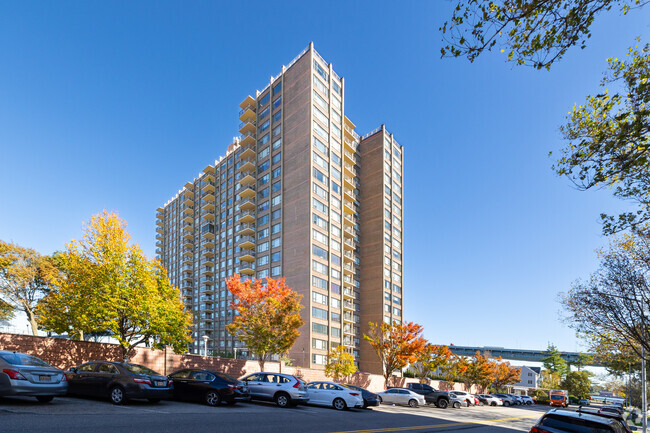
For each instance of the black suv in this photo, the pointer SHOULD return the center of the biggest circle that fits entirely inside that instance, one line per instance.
(431, 395)
(561, 420)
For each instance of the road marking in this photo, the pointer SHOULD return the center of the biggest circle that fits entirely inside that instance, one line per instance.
(140, 408)
(422, 427)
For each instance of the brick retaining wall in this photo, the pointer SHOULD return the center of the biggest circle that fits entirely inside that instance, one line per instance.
(64, 354)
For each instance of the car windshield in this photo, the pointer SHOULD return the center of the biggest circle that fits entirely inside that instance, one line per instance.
(139, 369)
(225, 376)
(22, 359)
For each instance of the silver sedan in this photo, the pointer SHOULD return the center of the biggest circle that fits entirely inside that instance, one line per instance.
(401, 396)
(22, 374)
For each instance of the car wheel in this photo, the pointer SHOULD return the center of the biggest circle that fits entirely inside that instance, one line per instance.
(44, 398)
(443, 403)
(413, 403)
(282, 400)
(456, 405)
(339, 404)
(529, 403)
(154, 400)
(506, 403)
(380, 400)
(494, 403)
(212, 398)
(117, 395)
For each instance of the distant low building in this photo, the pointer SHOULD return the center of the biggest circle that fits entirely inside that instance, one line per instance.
(530, 377)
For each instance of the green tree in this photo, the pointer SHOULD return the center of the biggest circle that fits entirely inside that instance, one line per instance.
(267, 316)
(24, 276)
(613, 353)
(106, 285)
(554, 362)
(340, 363)
(578, 383)
(533, 32)
(550, 380)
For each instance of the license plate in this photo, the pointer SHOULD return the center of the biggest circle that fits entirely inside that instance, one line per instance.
(160, 383)
(45, 378)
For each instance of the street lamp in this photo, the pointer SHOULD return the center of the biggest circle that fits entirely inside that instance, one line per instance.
(205, 344)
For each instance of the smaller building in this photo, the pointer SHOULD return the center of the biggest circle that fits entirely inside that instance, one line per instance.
(530, 377)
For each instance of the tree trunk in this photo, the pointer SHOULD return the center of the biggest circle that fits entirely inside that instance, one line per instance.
(261, 361)
(386, 376)
(32, 321)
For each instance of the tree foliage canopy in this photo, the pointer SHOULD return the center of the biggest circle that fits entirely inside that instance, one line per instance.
(553, 361)
(614, 302)
(533, 32)
(268, 315)
(430, 359)
(340, 363)
(103, 284)
(578, 383)
(396, 345)
(24, 276)
(609, 139)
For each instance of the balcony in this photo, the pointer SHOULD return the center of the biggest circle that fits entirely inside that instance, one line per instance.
(348, 305)
(207, 231)
(188, 236)
(208, 243)
(186, 293)
(207, 307)
(160, 230)
(209, 169)
(208, 262)
(349, 231)
(246, 269)
(187, 260)
(187, 199)
(207, 206)
(246, 242)
(188, 209)
(246, 217)
(247, 191)
(246, 204)
(187, 227)
(188, 243)
(246, 256)
(249, 100)
(187, 277)
(246, 229)
(160, 237)
(207, 271)
(246, 177)
(188, 252)
(208, 290)
(349, 268)
(207, 196)
(159, 221)
(247, 164)
(348, 293)
(348, 206)
(159, 251)
(207, 253)
(249, 126)
(347, 317)
(208, 187)
(247, 113)
(246, 142)
(349, 169)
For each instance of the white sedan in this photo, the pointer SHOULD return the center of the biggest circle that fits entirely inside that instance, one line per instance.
(401, 396)
(490, 400)
(333, 394)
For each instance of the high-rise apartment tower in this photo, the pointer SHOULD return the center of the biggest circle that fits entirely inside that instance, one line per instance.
(301, 195)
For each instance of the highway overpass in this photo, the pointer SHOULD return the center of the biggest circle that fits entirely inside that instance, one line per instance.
(516, 354)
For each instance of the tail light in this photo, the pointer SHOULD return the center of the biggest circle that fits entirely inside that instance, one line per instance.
(354, 393)
(535, 429)
(170, 382)
(297, 384)
(145, 381)
(231, 386)
(15, 375)
(64, 379)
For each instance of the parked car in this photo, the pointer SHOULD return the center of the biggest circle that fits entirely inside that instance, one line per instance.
(210, 387)
(456, 401)
(562, 420)
(527, 400)
(490, 400)
(431, 395)
(27, 375)
(332, 394)
(469, 398)
(401, 396)
(119, 381)
(612, 408)
(369, 398)
(517, 399)
(505, 398)
(284, 389)
(584, 402)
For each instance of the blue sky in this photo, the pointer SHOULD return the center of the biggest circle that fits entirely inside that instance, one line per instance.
(116, 105)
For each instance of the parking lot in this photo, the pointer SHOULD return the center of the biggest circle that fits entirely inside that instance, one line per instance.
(69, 414)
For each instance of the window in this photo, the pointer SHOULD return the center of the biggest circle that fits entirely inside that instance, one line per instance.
(265, 99)
(336, 88)
(336, 317)
(318, 236)
(263, 247)
(276, 214)
(320, 146)
(336, 274)
(320, 131)
(320, 206)
(263, 166)
(320, 222)
(276, 200)
(318, 328)
(275, 243)
(263, 234)
(319, 344)
(319, 282)
(276, 158)
(264, 139)
(277, 88)
(320, 86)
(263, 206)
(263, 193)
(277, 172)
(262, 220)
(276, 271)
(336, 174)
(319, 267)
(336, 332)
(320, 191)
(337, 117)
(263, 273)
(264, 126)
(277, 103)
(336, 246)
(277, 143)
(319, 298)
(321, 71)
(276, 228)
(320, 116)
(335, 303)
(319, 359)
(336, 188)
(264, 113)
(264, 260)
(263, 153)
(319, 313)
(336, 103)
(277, 186)
(319, 252)
(320, 176)
(336, 159)
(276, 257)
(277, 130)
(264, 179)
(320, 101)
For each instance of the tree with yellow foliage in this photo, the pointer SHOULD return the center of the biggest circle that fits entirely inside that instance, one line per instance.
(103, 284)
(340, 363)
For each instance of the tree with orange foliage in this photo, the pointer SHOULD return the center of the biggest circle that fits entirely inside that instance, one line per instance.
(454, 370)
(505, 374)
(396, 345)
(267, 316)
(430, 359)
(480, 371)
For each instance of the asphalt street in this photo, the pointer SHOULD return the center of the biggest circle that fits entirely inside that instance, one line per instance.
(78, 415)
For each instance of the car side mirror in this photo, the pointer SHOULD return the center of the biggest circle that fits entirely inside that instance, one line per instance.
(633, 428)
(72, 369)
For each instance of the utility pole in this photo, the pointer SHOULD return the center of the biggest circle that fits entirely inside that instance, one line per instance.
(644, 410)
